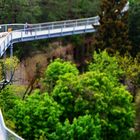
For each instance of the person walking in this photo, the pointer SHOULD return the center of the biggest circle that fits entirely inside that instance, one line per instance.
(26, 28)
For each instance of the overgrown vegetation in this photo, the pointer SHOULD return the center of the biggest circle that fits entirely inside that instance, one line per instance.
(101, 101)
(7, 65)
(92, 105)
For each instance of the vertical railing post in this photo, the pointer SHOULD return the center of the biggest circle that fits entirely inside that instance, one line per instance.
(64, 24)
(4, 68)
(6, 28)
(62, 30)
(35, 33)
(86, 24)
(4, 47)
(52, 26)
(40, 27)
(22, 34)
(74, 26)
(8, 40)
(49, 31)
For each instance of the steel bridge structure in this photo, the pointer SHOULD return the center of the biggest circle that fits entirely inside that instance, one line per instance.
(15, 33)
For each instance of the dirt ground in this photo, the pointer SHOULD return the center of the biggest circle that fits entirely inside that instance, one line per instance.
(26, 69)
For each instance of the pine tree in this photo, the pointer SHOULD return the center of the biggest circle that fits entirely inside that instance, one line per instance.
(112, 33)
(134, 26)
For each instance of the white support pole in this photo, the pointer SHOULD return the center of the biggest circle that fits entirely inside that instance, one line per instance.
(62, 30)
(22, 34)
(5, 72)
(49, 31)
(86, 24)
(5, 28)
(52, 26)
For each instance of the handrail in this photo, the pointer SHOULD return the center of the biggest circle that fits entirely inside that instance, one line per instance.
(7, 134)
(16, 26)
(95, 17)
(60, 28)
(64, 24)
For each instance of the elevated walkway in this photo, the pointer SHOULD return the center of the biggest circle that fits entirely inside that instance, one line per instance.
(20, 33)
(5, 133)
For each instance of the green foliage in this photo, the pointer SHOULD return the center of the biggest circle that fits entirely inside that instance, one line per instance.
(90, 106)
(7, 99)
(136, 136)
(1, 72)
(112, 33)
(56, 69)
(134, 1)
(11, 63)
(13, 11)
(131, 75)
(102, 62)
(134, 26)
(94, 93)
(7, 64)
(131, 68)
(68, 9)
(18, 90)
(82, 128)
(37, 116)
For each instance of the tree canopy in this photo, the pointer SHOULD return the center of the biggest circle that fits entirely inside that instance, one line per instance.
(15, 11)
(134, 27)
(113, 29)
(92, 105)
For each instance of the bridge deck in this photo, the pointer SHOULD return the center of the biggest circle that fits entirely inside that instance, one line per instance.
(23, 34)
(44, 30)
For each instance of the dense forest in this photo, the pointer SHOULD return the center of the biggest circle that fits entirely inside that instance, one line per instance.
(90, 92)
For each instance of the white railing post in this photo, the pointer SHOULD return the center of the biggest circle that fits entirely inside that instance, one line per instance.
(11, 36)
(6, 28)
(39, 27)
(35, 33)
(52, 26)
(8, 39)
(86, 24)
(74, 26)
(64, 24)
(21, 34)
(4, 68)
(49, 31)
(62, 29)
